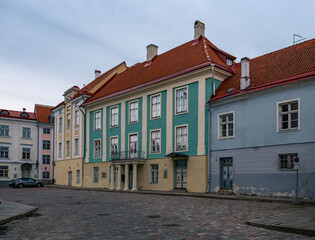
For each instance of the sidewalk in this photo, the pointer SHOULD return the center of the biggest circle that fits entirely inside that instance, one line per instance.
(10, 211)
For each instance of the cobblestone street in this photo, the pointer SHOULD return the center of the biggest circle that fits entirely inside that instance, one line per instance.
(73, 214)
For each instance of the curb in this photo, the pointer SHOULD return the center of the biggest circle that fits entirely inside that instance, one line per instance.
(19, 215)
(199, 195)
(287, 229)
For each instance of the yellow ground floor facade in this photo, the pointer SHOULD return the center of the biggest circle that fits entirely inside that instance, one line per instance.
(68, 172)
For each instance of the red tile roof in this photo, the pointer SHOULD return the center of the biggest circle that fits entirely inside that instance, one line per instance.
(279, 67)
(17, 114)
(187, 57)
(42, 113)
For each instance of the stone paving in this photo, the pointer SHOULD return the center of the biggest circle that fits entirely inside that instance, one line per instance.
(73, 214)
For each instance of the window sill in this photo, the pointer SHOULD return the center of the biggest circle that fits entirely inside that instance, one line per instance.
(3, 136)
(286, 169)
(180, 113)
(155, 118)
(154, 182)
(288, 130)
(26, 138)
(223, 138)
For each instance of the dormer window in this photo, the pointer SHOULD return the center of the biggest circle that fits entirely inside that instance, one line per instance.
(229, 62)
(24, 114)
(5, 112)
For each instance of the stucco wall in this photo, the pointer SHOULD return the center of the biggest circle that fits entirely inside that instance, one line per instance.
(62, 168)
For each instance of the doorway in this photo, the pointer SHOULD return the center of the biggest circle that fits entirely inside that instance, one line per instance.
(180, 174)
(226, 173)
(26, 170)
(69, 178)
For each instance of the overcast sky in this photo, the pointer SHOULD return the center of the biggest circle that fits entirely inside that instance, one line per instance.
(46, 47)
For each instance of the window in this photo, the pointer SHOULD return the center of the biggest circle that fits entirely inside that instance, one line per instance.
(133, 146)
(156, 106)
(78, 177)
(97, 148)
(114, 117)
(155, 141)
(134, 112)
(68, 108)
(95, 171)
(4, 171)
(68, 148)
(181, 100)
(45, 175)
(46, 130)
(97, 119)
(26, 132)
(4, 131)
(46, 144)
(229, 62)
(24, 114)
(46, 159)
(76, 146)
(76, 118)
(26, 153)
(181, 138)
(68, 120)
(5, 112)
(114, 147)
(76, 104)
(289, 115)
(226, 125)
(59, 150)
(60, 124)
(4, 152)
(286, 161)
(154, 173)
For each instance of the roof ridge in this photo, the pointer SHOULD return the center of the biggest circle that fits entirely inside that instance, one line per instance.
(281, 49)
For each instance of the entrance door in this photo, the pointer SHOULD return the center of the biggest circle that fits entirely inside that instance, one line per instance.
(26, 170)
(130, 176)
(181, 174)
(226, 173)
(133, 146)
(69, 178)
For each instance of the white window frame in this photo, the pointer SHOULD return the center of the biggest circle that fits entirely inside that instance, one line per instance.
(76, 118)
(111, 116)
(45, 158)
(154, 173)
(4, 171)
(220, 125)
(97, 121)
(289, 159)
(76, 146)
(279, 123)
(29, 153)
(94, 149)
(151, 140)
(68, 120)
(4, 130)
(187, 138)
(60, 124)
(187, 100)
(151, 106)
(44, 174)
(7, 150)
(131, 121)
(137, 146)
(48, 143)
(27, 132)
(59, 150)
(45, 131)
(68, 108)
(111, 138)
(68, 148)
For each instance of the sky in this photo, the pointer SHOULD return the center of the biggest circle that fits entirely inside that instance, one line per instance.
(46, 47)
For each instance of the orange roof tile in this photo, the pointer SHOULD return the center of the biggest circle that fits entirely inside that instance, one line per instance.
(273, 68)
(42, 113)
(17, 114)
(187, 57)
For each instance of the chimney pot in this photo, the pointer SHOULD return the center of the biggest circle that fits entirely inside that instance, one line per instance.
(97, 73)
(199, 29)
(24, 109)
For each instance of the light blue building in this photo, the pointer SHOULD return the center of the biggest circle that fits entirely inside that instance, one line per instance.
(262, 122)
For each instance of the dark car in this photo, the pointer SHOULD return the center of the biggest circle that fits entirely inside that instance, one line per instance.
(27, 182)
(11, 183)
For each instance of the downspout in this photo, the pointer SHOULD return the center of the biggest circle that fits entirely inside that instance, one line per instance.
(84, 140)
(209, 131)
(37, 161)
(53, 153)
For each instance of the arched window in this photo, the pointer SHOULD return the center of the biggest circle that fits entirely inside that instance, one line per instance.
(24, 114)
(4, 112)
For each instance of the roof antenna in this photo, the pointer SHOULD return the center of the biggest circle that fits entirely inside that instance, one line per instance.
(299, 40)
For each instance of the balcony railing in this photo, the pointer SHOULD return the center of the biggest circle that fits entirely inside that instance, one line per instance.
(126, 155)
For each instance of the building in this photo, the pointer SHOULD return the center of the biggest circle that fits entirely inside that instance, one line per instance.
(146, 127)
(18, 144)
(45, 143)
(262, 121)
(69, 143)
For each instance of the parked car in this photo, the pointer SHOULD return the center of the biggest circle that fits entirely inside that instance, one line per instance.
(11, 183)
(27, 182)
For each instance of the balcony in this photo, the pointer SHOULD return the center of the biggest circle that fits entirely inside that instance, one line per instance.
(128, 155)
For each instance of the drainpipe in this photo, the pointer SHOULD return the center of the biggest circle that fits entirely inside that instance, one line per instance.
(84, 140)
(53, 153)
(37, 161)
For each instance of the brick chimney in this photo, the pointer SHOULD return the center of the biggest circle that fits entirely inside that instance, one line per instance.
(24, 109)
(199, 29)
(97, 73)
(245, 80)
(152, 51)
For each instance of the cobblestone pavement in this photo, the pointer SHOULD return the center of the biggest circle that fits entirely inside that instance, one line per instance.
(73, 214)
